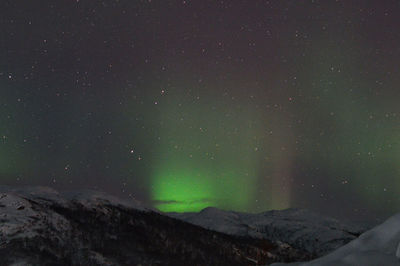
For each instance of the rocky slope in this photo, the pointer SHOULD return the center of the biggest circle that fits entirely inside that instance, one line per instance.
(39, 226)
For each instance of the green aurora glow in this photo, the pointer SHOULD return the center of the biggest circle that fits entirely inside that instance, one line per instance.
(294, 105)
(198, 166)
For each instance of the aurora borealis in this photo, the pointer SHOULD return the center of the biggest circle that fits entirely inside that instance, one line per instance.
(242, 105)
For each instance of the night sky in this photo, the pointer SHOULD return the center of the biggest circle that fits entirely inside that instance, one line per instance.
(242, 105)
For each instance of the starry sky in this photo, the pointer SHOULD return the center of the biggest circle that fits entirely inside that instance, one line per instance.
(242, 105)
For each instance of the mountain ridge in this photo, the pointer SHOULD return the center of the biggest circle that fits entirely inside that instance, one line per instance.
(40, 226)
(300, 228)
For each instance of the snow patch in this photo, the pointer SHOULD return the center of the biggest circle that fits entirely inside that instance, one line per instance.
(378, 246)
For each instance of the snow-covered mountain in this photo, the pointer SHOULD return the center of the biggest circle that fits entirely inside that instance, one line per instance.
(35, 227)
(39, 226)
(378, 246)
(302, 229)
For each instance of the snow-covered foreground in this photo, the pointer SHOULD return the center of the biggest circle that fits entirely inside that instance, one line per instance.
(379, 246)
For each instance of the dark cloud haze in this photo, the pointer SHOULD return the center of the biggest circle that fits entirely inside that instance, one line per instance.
(244, 105)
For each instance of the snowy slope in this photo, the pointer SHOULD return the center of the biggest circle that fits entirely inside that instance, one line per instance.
(23, 209)
(39, 226)
(29, 224)
(378, 246)
(299, 228)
